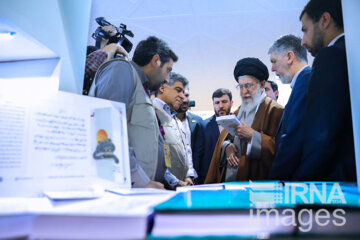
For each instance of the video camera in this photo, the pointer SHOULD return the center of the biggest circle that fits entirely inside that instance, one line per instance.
(192, 103)
(119, 37)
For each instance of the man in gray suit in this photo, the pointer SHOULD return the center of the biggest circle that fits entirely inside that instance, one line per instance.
(130, 83)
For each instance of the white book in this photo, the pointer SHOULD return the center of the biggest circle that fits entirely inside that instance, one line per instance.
(227, 121)
(109, 217)
(61, 142)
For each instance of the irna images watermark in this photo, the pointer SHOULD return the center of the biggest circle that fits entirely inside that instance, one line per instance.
(274, 204)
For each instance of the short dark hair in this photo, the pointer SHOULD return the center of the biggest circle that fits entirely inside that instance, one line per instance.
(220, 92)
(176, 77)
(146, 49)
(273, 85)
(315, 8)
(289, 43)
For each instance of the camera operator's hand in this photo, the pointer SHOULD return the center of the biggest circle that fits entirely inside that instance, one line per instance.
(114, 48)
(110, 29)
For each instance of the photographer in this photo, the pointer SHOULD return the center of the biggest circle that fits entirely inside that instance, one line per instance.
(130, 83)
(95, 58)
(111, 42)
(110, 30)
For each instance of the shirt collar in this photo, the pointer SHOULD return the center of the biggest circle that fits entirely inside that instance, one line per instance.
(335, 39)
(292, 84)
(186, 117)
(164, 106)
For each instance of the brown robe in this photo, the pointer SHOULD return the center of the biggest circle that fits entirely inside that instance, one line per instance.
(266, 122)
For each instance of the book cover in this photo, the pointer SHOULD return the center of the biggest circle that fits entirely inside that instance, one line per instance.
(272, 208)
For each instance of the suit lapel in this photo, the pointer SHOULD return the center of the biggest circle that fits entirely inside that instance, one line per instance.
(192, 122)
(282, 124)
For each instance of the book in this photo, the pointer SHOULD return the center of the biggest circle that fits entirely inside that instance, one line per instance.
(109, 217)
(260, 209)
(61, 142)
(212, 186)
(228, 120)
(213, 214)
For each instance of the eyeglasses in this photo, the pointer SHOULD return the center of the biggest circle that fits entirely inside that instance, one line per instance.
(247, 86)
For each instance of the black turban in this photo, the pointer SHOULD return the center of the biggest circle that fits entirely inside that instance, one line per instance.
(251, 66)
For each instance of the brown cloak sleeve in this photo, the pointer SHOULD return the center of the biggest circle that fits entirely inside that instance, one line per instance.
(266, 122)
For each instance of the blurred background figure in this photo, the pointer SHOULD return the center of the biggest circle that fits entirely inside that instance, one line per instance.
(191, 123)
(271, 90)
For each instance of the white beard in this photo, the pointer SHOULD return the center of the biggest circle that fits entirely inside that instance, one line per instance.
(252, 103)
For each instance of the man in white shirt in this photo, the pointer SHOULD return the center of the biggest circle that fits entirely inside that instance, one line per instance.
(190, 122)
(170, 97)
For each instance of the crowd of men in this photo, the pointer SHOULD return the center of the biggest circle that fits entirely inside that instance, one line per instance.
(311, 139)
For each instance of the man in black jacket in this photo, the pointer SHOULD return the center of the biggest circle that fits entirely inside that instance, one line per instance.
(328, 146)
(209, 132)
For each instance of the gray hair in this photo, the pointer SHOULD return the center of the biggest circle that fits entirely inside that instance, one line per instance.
(289, 43)
(176, 77)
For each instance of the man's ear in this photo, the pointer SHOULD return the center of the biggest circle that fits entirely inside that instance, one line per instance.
(291, 57)
(324, 20)
(262, 84)
(161, 89)
(232, 102)
(155, 61)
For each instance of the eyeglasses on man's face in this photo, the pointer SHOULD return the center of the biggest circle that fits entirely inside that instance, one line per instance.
(247, 86)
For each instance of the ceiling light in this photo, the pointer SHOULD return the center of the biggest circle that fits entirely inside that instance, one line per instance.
(7, 35)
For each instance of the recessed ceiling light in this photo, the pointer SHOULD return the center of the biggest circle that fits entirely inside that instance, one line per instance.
(7, 35)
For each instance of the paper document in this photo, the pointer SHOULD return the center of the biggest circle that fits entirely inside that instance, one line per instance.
(138, 191)
(71, 195)
(227, 121)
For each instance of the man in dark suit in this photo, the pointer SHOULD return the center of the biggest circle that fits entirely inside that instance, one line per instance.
(289, 61)
(191, 124)
(209, 133)
(328, 146)
(271, 90)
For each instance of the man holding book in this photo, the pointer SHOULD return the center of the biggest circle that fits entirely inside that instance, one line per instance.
(248, 154)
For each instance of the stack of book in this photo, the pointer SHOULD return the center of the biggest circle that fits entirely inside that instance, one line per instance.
(261, 209)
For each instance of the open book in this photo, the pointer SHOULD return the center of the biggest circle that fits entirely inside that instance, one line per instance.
(61, 142)
(69, 147)
(226, 121)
